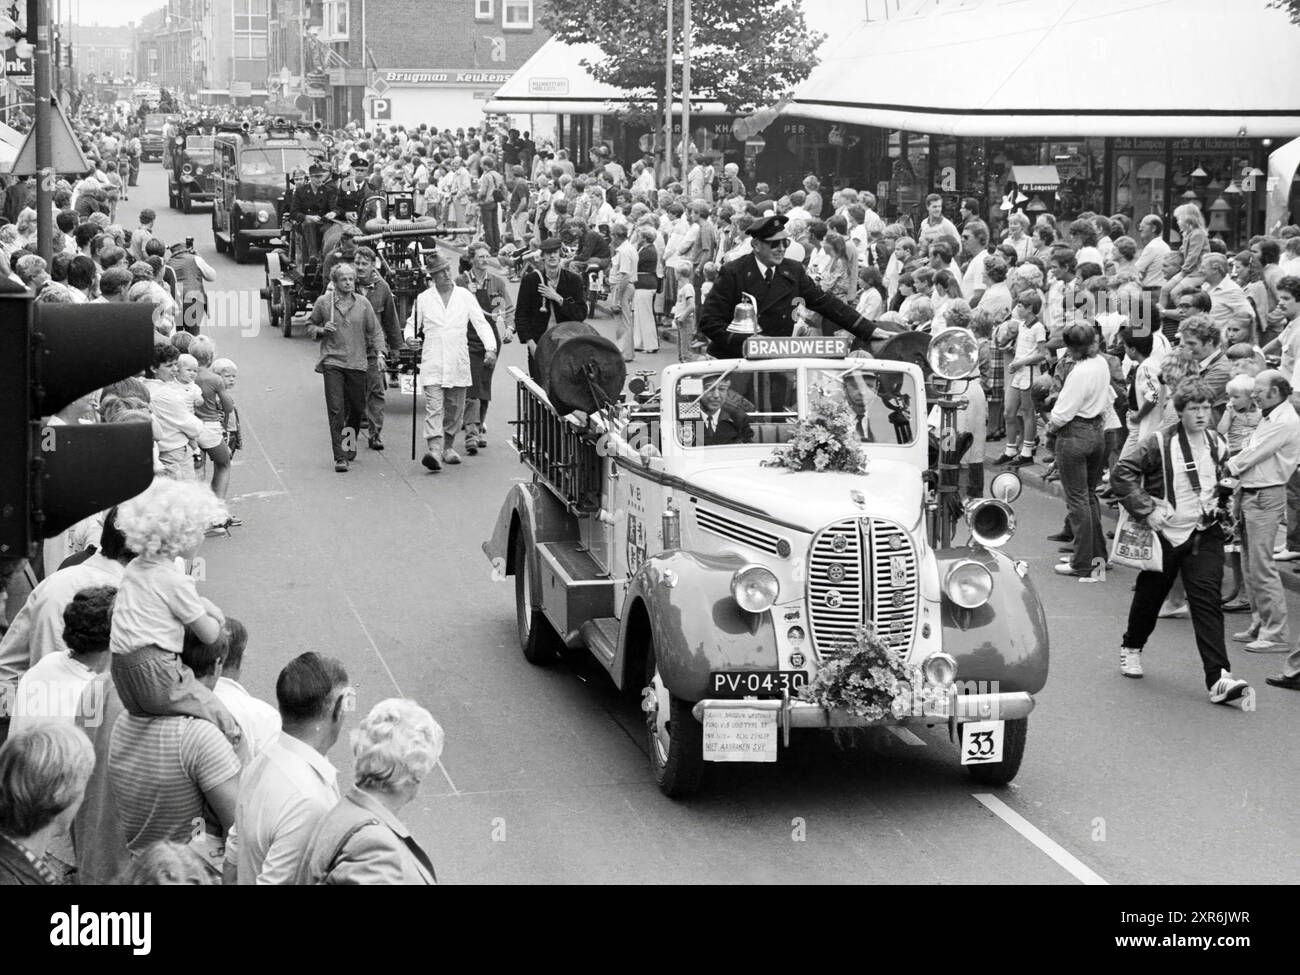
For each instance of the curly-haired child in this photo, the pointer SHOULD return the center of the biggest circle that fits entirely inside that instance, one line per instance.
(157, 602)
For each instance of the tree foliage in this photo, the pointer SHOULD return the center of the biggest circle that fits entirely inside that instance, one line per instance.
(744, 53)
(1292, 7)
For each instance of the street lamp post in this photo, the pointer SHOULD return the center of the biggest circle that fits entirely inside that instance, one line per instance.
(38, 17)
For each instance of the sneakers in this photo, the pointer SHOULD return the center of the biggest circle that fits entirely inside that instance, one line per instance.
(1006, 458)
(1130, 662)
(1182, 612)
(1228, 689)
(450, 456)
(1265, 646)
(1246, 636)
(1020, 461)
(1285, 555)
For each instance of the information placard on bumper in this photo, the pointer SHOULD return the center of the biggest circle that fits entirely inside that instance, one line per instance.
(739, 735)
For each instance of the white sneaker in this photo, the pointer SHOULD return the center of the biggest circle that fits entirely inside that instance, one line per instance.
(1130, 662)
(1285, 555)
(1227, 688)
(1177, 613)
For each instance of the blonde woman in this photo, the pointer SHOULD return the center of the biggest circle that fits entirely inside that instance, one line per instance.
(1194, 245)
(1018, 236)
(361, 840)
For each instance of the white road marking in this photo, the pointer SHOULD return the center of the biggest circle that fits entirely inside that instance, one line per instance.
(1041, 840)
(258, 495)
(347, 597)
(906, 736)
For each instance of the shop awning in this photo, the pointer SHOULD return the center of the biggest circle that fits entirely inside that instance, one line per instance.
(554, 82)
(1036, 179)
(1060, 68)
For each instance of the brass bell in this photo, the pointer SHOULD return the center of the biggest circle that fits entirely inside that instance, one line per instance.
(745, 319)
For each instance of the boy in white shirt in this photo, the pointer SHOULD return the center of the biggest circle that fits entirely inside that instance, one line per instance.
(172, 406)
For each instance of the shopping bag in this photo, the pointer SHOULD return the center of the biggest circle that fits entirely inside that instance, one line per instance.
(1136, 545)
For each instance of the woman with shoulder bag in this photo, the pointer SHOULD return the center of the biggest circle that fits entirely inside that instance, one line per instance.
(361, 840)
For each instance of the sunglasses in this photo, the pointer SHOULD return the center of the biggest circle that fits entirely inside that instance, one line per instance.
(781, 244)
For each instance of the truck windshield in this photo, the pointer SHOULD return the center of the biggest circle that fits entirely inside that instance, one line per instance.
(199, 147)
(264, 163)
(729, 408)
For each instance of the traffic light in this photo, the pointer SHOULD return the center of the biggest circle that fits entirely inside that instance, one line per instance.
(50, 355)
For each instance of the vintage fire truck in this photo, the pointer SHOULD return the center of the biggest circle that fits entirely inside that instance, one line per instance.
(714, 587)
(249, 186)
(189, 160)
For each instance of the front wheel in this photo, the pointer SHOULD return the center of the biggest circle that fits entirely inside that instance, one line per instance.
(537, 638)
(675, 738)
(239, 245)
(287, 300)
(187, 205)
(1013, 750)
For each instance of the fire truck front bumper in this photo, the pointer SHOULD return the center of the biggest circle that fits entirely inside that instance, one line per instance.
(954, 708)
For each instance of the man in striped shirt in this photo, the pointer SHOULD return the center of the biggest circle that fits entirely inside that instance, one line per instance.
(167, 773)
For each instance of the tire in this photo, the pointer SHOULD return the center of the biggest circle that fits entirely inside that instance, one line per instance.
(1013, 750)
(273, 303)
(187, 205)
(537, 638)
(239, 245)
(217, 242)
(286, 308)
(676, 744)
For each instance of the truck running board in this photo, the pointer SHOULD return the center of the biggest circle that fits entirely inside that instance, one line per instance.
(601, 637)
(573, 588)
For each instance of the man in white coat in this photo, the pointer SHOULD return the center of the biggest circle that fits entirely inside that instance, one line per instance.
(442, 317)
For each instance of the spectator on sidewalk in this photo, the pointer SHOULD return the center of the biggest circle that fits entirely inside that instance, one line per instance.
(43, 774)
(291, 784)
(1184, 516)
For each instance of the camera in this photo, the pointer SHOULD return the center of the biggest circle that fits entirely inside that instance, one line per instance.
(189, 243)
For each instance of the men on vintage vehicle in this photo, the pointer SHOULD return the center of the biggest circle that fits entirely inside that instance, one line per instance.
(371, 285)
(353, 190)
(592, 258)
(547, 296)
(313, 203)
(441, 318)
(775, 283)
(724, 423)
(494, 298)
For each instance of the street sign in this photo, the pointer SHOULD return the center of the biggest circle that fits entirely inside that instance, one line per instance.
(65, 155)
(380, 86)
(381, 108)
(241, 89)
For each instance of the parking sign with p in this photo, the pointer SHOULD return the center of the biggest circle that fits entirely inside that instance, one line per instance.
(382, 108)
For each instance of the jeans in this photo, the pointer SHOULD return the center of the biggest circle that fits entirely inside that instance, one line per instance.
(1080, 460)
(345, 404)
(622, 296)
(487, 213)
(444, 411)
(376, 396)
(1199, 561)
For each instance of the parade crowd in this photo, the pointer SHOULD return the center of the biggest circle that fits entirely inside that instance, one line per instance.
(1159, 378)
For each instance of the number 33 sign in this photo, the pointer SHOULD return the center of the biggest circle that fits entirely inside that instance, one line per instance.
(981, 742)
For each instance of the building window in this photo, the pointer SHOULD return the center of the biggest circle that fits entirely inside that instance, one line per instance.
(517, 14)
(335, 21)
(483, 10)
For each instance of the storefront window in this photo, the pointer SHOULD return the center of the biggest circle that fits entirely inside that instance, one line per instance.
(909, 178)
(1208, 172)
(1138, 178)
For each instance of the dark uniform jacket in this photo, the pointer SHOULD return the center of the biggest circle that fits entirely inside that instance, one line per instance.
(533, 312)
(307, 199)
(733, 427)
(790, 280)
(1139, 476)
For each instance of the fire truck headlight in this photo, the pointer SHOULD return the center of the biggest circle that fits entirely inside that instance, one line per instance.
(968, 584)
(263, 216)
(940, 668)
(754, 588)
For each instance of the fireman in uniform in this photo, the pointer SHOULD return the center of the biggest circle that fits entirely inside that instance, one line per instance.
(313, 204)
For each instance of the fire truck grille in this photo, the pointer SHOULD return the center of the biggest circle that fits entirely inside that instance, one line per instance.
(861, 571)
